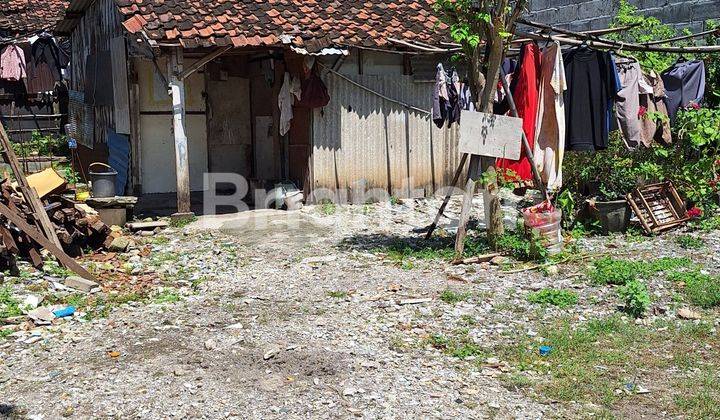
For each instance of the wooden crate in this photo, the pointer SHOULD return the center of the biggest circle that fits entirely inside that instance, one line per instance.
(658, 206)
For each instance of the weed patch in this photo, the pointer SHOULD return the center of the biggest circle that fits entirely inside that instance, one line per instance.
(689, 242)
(167, 296)
(555, 297)
(459, 346)
(701, 400)
(9, 306)
(702, 290)
(328, 208)
(404, 254)
(337, 294)
(181, 222)
(451, 297)
(608, 270)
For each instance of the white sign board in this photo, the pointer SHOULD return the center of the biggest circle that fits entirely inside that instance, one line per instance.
(490, 135)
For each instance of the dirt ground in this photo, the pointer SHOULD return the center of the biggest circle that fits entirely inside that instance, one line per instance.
(302, 315)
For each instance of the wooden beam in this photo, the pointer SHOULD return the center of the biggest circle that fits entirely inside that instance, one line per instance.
(182, 167)
(136, 149)
(38, 237)
(202, 61)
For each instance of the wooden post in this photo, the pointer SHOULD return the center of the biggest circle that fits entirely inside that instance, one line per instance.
(136, 162)
(182, 167)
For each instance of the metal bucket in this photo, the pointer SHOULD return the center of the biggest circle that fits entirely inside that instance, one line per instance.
(103, 183)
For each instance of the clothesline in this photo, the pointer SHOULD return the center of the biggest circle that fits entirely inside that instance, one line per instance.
(365, 88)
(604, 43)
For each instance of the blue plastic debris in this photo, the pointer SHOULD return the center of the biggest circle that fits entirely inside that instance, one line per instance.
(64, 312)
(545, 350)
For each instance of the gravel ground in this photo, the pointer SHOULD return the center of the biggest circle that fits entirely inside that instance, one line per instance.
(305, 322)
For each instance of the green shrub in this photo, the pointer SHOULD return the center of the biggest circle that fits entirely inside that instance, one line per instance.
(555, 297)
(635, 298)
(522, 248)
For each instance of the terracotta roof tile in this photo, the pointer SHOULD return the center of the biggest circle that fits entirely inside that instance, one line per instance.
(263, 22)
(19, 17)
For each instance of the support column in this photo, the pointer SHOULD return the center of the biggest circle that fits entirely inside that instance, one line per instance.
(182, 167)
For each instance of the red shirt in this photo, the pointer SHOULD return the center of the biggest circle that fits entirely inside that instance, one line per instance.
(526, 95)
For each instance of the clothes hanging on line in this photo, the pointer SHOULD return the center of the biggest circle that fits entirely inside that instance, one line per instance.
(441, 98)
(549, 150)
(627, 105)
(525, 94)
(454, 106)
(467, 102)
(450, 97)
(286, 99)
(684, 85)
(655, 118)
(612, 121)
(591, 86)
(12, 63)
(46, 50)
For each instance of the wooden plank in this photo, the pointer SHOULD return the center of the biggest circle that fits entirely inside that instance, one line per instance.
(642, 199)
(36, 236)
(639, 214)
(490, 135)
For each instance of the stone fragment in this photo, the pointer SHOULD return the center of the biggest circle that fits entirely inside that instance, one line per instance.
(271, 352)
(686, 313)
(119, 244)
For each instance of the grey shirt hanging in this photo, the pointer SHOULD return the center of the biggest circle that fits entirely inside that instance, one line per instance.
(684, 85)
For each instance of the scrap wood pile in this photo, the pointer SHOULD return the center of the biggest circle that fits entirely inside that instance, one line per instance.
(76, 229)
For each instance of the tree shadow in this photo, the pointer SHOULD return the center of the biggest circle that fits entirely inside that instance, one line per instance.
(11, 411)
(415, 244)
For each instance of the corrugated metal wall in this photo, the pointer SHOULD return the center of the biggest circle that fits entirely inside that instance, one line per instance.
(361, 138)
(100, 24)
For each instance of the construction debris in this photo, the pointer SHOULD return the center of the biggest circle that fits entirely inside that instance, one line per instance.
(75, 229)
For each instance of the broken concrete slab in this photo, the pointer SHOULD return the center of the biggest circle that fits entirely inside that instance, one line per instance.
(79, 283)
(135, 226)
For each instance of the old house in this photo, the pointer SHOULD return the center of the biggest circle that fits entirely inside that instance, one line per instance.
(170, 90)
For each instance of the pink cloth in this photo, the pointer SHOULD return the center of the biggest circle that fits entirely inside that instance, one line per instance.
(12, 63)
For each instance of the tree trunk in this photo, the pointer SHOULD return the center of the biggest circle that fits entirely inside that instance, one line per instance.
(491, 200)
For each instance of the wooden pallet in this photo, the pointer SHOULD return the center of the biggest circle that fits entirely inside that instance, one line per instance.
(659, 207)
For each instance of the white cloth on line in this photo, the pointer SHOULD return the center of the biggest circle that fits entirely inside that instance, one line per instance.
(285, 103)
(549, 150)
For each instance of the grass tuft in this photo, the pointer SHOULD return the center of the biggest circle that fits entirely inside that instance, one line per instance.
(451, 297)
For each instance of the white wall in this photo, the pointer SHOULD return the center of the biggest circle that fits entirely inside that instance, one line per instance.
(157, 144)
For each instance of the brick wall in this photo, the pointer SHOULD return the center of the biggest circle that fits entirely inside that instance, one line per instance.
(597, 14)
